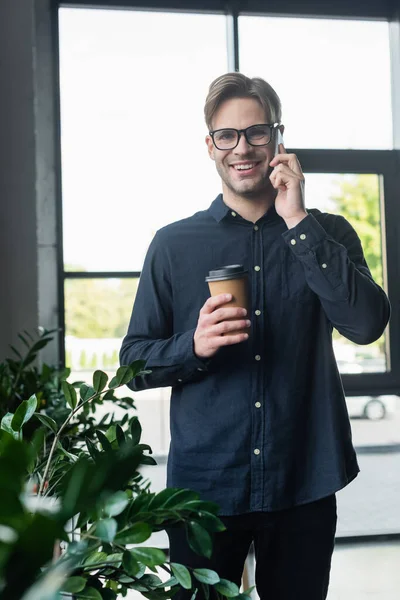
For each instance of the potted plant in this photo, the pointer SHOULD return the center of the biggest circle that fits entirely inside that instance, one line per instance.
(65, 479)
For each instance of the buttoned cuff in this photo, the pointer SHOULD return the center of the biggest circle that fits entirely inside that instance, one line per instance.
(306, 236)
(194, 367)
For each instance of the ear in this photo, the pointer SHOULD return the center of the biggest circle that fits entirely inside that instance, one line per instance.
(210, 147)
(281, 128)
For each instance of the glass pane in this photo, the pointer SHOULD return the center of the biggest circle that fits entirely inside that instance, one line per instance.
(130, 81)
(333, 78)
(369, 505)
(357, 198)
(97, 313)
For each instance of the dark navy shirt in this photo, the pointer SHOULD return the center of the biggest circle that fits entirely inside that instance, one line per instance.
(262, 425)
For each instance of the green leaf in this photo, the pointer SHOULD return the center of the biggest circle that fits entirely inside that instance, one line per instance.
(86, 392)
(135, 534)
(206, 576)
(21, 337)
(182, 574)
(136, 430)
(90, 593)
(6, 425)
(249, 590)
(47, 421)
(23, 413)
(94, 453)
(120, 435)
(147, 460)
(110, 433)
(32, 405)
(70, 394)
(38, 346)
(74, 584)
(180, 498)
(16, 352)
(211, 522)
(64, 374)
(151, 557)
(206, 591)
(99, 380)
(168, 583)
(227, 588)
(72, 457)
(130, 563)
(199, 539)
(201, 505)
(95, 558)
(124, 375)
(161, 499)
(116, 503)
(137, 366)
(113, 383)
(106, 529)
(105, 444)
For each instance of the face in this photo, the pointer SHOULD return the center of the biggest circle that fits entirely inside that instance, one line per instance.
(240, 113)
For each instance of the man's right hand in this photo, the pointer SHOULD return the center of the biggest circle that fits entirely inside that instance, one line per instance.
(215, 324)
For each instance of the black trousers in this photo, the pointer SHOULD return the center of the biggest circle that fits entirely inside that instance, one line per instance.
(293, 550)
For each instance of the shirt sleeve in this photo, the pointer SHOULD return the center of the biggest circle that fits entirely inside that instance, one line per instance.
(336, 270)
(170, 356)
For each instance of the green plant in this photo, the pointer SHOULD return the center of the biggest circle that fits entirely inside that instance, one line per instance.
(93, 498)
(21, 377)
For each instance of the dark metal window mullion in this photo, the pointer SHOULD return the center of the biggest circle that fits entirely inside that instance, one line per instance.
(232, 37)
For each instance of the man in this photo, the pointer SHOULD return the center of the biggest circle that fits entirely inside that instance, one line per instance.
(258, 418)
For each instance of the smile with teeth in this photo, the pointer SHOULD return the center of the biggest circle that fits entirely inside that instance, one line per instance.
(244, 167)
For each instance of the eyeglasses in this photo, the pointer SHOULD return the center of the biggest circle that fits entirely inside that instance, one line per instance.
(256, 135)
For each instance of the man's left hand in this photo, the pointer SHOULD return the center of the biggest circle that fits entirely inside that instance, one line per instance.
(287, 177)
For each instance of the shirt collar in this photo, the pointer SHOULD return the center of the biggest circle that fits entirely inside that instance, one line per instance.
(219, 210)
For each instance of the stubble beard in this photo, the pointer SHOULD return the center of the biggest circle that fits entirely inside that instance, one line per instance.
(263, 185)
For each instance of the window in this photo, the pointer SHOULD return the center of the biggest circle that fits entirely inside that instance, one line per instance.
(127, 168)
(128, 77)
(334, 95)
(357, 197)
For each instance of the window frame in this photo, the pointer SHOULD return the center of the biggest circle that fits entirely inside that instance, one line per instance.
(382, 162)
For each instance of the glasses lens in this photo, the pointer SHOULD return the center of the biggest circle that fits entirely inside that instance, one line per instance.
(258, 135)
(225, 139)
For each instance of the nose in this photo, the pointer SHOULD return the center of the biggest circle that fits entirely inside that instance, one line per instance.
(243, 145)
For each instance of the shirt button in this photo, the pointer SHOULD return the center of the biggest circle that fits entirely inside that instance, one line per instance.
(233, 214)
(257, 312)
(257, 357)
(303, 236)
(257, 268)
(180, 380)
(255, 227)
(200, 369)
(293, 242)
(258, 405)
(324, 265)
(256, 451)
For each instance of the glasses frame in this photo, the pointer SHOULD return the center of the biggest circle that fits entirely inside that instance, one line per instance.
(239, 132)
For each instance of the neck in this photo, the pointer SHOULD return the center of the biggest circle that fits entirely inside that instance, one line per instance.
(250, 208)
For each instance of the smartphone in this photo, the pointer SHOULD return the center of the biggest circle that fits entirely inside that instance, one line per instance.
(278, 140)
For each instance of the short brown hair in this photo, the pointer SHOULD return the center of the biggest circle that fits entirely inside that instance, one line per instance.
(237, 85)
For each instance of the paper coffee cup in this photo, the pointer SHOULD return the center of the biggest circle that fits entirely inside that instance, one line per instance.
(231, 279)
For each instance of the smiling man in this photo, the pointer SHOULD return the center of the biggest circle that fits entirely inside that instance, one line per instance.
(258, 415)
